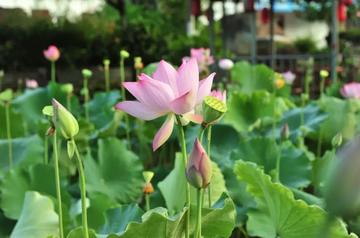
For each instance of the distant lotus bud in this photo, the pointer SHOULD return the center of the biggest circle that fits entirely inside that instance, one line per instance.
(52, 53)
(199, 170)
(67, 88)
(226, 64)
(337, 140)
(87, 73)
(64, 121)
(289, 77)
(31, 83)
(124, 54)
(285, 132)
(106, 62)
(214, 107)
(279, 81)
(148, 175)
(138, 64)
(324, 73)
(342, 189)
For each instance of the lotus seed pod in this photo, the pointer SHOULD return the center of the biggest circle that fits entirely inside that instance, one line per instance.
(324, 73)
(213, 109)
(64, 121)
(106, 62)
(148, 175)
(87, 73)
(124, 54)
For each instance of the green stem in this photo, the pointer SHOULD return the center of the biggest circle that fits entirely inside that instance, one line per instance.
(83, 192)
(46, 150)
(86, 98)
(322, 85)
(8, 132)
(123, 97)
(147, 202)
(277, 169)
(209, 154)
(57, 183)
(319, 144)
(107, 78)
(184, 153)
(274, 110)
(198, 215)
(53, 72)
(201, 133)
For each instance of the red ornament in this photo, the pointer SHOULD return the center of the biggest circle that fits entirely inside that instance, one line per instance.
(341, 12)
(265, 15)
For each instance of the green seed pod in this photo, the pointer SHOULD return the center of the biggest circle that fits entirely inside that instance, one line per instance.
(148, 175)
(64, 121)
(213, 110)
(324, 73)
(124, 54)
(87, 73)
(68, 88)
(106, 62)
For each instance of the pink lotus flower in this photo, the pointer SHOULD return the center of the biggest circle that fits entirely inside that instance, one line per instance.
(168, 92)
(31, 83)
(289, 77)
(351, 90)
(52, 53)
(199, 170)
(202, 56)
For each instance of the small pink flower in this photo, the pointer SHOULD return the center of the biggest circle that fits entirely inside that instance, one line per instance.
(351, 90)
(226, 64)
(199, 170)
(221, 95)
(52, 53)
(31, 83)
(202, 56)
(168, 92)
(289, 77)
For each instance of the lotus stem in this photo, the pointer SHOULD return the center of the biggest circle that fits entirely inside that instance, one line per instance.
(86, 98)
(57, 182)
(46, 150)
(53, 72)
(107, 77)
(147, 202)
(209, 154)
(198, 215)
(123, 97)
(184, 153)
(8, 132)
(83, 192)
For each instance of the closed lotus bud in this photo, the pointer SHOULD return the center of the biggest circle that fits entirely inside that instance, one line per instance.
(324, 73)
(199, 170)
(214, 107)
(64, 121)
(124, 54)
(226, 64)
(285, 132)
(138, 64)
(342, 188)
(336, 140)
(67, 88)
(87, 73)
(52, 53)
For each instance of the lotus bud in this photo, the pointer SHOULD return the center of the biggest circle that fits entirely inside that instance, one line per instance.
(64, 121)
(124, 54)
(106, 62)
(289, 77)
(342, 190)
(226, 64)
(87, 73)
(285, 132)
(67, 88)
(138, 64)
(324, 73)
(214, 107)
(52, 53)
(337, 140)
(199, 170)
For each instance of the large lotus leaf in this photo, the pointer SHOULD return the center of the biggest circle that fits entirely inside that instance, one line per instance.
(17, 126)
(37, 219)
(342, 117)
(117, 173)
(245, 110)
(101, 108)
(313, 117)
(277, 213)
(17, 182)
(26, 151)
(173, 187)
(252, 77)
(217, 221)
(118, 218)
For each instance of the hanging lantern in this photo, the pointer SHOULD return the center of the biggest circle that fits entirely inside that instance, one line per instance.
(341, 12)
(265, 15)
(196, 8)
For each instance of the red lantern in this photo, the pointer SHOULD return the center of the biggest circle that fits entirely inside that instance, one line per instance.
(341, 12)
(265, 15)
(196, 8)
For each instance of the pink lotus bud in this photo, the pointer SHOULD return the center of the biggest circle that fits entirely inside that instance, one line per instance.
(199, 170)
(31, 83)
(289, 77)
(226, 64)
(52, 53)
(351, 90)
